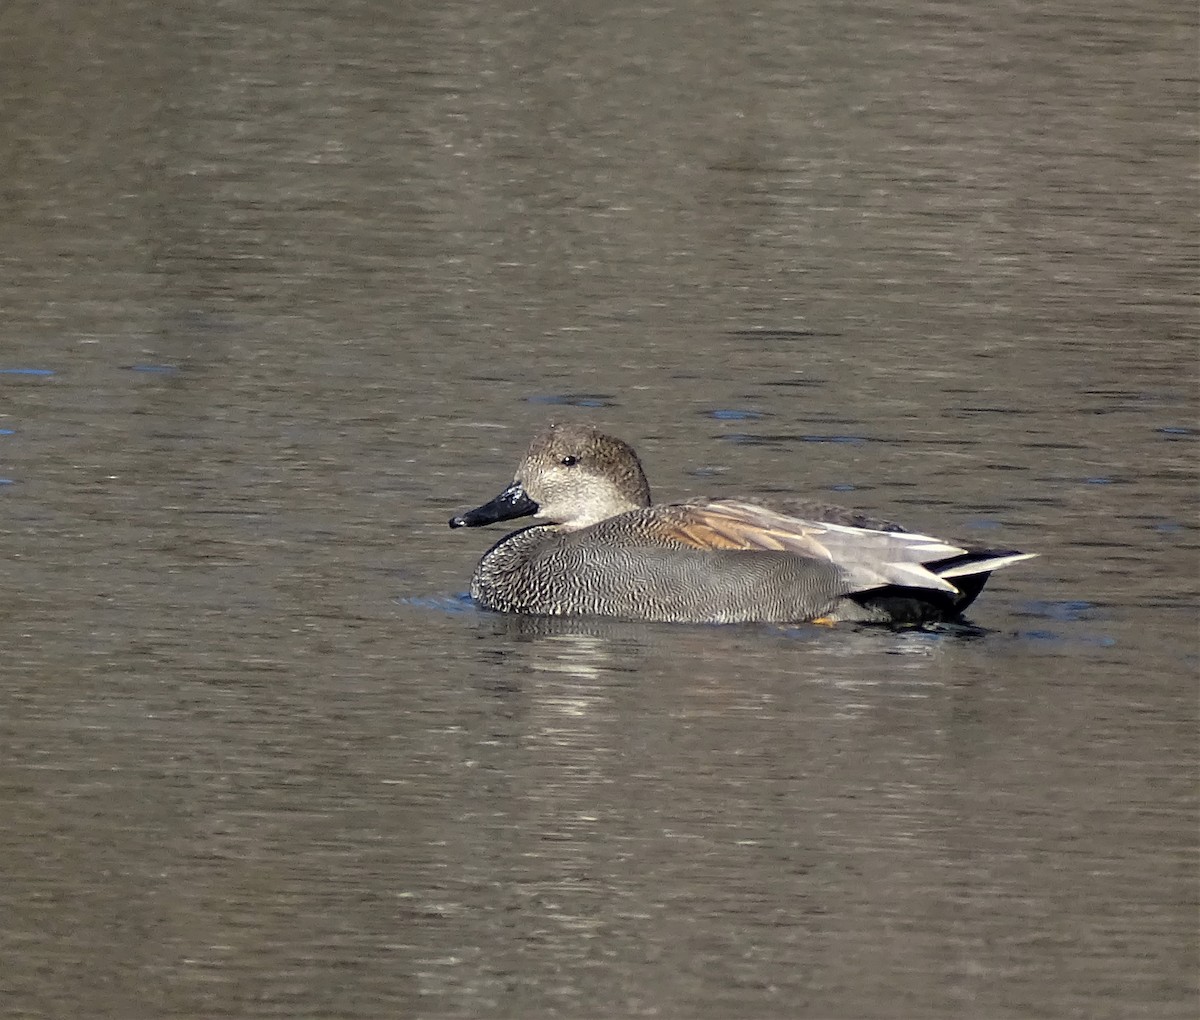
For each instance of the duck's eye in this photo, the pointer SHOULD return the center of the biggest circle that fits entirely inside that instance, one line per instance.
(569, 461)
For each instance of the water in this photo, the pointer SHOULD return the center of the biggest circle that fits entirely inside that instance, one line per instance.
(285, 289)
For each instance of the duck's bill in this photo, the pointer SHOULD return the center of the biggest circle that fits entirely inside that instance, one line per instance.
(511, 503)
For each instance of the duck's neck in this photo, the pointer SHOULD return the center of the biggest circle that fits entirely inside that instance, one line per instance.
(594, 515)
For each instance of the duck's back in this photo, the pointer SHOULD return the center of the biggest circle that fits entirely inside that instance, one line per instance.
(825, 513)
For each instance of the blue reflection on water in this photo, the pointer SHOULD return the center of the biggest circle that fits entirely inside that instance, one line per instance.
(1069, 610)
(460, 603)
(733, 414)
(574, 399)
(154, 369)
(746, 439)
(982, 524)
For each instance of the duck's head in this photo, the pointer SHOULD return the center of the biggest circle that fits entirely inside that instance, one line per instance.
(572, 475)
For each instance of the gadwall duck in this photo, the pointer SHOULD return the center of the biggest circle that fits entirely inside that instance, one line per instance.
(606, 551)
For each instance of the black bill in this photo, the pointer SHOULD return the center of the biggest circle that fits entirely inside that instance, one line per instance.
(512, 502)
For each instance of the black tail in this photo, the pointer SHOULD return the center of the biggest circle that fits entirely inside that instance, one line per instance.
(968, 572)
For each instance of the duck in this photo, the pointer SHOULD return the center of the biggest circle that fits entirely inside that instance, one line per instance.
(601, 547)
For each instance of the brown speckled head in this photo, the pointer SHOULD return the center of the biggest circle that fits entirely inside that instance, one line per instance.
(577, 475)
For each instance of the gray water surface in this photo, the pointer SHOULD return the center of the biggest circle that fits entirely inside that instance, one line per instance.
(284, 287)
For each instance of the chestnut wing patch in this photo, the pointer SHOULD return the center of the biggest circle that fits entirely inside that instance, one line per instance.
(731, 524)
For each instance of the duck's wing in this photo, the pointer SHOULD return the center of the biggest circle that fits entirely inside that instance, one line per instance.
(869, 558)
(823, 513)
